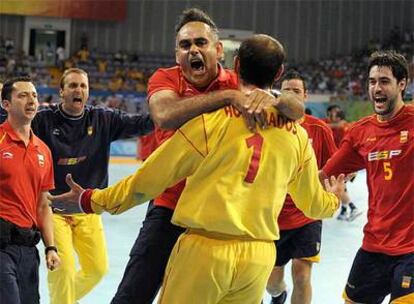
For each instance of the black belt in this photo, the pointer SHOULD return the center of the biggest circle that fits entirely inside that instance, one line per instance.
(10, 234)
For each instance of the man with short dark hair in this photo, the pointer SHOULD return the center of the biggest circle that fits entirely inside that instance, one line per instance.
(26, 176)
(382, 144)
(300, 236)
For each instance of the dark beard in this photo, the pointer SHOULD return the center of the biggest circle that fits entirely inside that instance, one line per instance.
(391, 106)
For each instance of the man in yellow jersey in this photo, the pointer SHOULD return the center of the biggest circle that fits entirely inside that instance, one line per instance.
(236, 185)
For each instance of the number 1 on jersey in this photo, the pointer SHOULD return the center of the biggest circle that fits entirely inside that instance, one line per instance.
(255, 141)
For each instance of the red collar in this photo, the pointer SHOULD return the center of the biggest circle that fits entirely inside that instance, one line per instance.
(34, 140)
(223, 76)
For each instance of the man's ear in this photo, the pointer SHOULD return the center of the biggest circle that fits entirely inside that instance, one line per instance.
(4, 104)
(279, 72)
(403, 84)
(220, 50)
(236, 64)
(176, 56)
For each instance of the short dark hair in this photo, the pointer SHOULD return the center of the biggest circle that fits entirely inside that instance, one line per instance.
(8, 86)
(293, 74)
(261, 57)
(195, 15)
(395, 61)
(340, 114)
(331, 107)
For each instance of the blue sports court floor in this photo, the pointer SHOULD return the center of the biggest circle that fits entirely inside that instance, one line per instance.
(340, 242)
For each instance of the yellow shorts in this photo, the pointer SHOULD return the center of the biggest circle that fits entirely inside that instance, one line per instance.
(207, 268)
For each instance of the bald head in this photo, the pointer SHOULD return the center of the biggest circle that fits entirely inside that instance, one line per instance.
(261, 60)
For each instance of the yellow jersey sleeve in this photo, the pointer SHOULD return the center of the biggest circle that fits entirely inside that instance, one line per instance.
(307, 191)
(174, 160)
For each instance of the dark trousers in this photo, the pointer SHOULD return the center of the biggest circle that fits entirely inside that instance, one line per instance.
(19, 275)
(148, 258)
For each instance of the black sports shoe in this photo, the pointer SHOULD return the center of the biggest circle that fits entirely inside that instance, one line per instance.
(342, 215)
(355, 212)
(280, 299)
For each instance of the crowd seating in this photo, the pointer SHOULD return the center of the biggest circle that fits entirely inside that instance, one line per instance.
(342, 77)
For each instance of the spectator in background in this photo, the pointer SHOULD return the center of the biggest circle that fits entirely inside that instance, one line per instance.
(9, 45)
(47, 101)
(102, 64)
(83, 54)
(60, 57)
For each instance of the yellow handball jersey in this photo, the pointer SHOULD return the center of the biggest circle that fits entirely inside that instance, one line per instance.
(237, 180)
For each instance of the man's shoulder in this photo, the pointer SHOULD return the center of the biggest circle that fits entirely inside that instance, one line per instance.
(316, 124)
(173, 71)
(315, 120)
(42, 146)
(363, 123)
(409, 110)
(52, 108)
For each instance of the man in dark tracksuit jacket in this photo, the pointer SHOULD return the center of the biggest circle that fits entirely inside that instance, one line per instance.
(79, 137)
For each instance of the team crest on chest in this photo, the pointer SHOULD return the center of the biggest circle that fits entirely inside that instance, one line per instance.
(403, 137)
(406, 282)
(90, 130)
(41, 159)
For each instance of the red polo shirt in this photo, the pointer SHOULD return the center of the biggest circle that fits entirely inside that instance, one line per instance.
(25, 172)
(173, 79)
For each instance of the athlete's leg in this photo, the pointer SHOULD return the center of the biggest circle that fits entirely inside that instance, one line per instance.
(254, 264)
(302, 288)
(276, 283)
(402, 285)
(9, 287)
(148, 259)
(61, 281)
(236, 271)
(28, 275)
(369, 280)
(90, 245)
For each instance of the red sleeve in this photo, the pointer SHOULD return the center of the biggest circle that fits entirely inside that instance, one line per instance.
(48, 182)
(346, 160)
(163, 79)
(147, 144)
(329, 147)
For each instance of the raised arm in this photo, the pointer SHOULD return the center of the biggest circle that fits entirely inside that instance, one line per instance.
(289, 104)
(309, 195)
(174, 160)
(170, 111)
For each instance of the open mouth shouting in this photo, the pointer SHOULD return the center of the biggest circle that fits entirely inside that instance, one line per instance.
(197, 65)
(77, 100)
(380, 102)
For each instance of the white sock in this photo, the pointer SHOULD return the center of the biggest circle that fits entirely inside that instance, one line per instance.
(275, 293)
